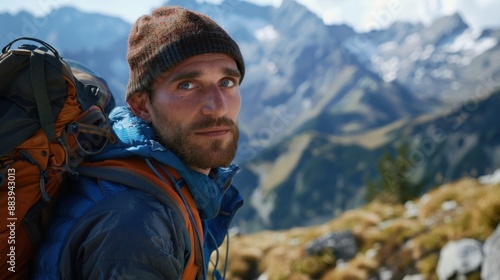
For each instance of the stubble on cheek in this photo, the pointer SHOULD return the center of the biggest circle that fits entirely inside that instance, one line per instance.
(194, 150)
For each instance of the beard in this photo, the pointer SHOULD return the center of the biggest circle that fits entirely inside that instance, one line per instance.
(193, 151)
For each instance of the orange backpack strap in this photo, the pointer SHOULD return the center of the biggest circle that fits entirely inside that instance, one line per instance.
(165, 184)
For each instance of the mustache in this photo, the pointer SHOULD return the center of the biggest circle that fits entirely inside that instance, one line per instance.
(211, 122)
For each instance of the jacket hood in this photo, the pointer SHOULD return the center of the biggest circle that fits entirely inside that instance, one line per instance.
(135, 137)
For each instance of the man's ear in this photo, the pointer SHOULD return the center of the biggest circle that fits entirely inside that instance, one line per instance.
(140, 105)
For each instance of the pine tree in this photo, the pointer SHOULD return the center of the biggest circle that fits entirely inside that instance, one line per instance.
(394, 184)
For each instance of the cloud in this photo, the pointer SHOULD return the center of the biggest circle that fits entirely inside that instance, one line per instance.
(364, 15)
(480, 14)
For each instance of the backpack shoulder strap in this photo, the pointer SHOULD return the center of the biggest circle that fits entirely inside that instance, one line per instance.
(37, 69)
(126, 175)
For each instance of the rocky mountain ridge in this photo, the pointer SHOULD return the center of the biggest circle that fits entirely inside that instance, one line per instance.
(322, 103)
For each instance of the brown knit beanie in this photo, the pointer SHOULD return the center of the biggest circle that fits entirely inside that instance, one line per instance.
(170, 35)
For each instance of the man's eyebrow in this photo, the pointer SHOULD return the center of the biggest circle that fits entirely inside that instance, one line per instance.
(184, 76)
(231, 72)
(195, 74)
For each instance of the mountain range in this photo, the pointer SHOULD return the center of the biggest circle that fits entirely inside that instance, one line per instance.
(323, 103)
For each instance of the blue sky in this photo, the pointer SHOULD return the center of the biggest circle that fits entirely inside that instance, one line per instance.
(360, 14)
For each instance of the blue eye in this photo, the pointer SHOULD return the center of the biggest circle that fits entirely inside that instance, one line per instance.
(227, 83)
(186, 85)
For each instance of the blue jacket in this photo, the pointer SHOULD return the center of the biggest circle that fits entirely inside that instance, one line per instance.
(106, 230)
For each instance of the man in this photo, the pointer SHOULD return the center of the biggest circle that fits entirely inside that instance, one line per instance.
(159, 201)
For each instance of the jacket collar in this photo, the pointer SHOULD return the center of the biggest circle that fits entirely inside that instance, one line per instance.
(137, 138)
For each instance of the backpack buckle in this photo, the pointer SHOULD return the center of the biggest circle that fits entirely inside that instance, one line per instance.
(72, 128)
(6, 161)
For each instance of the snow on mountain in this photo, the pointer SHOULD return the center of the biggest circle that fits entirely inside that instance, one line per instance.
(423, 57)
(267, 33)
(460, 51)
(469, 45)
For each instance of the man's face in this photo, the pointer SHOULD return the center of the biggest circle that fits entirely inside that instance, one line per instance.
(194, 109)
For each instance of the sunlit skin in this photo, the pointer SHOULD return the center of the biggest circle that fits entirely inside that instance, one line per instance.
(194, 108)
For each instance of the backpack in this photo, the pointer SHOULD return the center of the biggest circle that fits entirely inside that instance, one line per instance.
(53, 113)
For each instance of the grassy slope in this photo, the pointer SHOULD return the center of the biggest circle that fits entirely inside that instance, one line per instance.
(387, 235)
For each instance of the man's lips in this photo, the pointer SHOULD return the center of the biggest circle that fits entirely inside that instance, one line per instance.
(214, 131)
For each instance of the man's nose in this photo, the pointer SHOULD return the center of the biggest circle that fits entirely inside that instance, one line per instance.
(215, 103)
